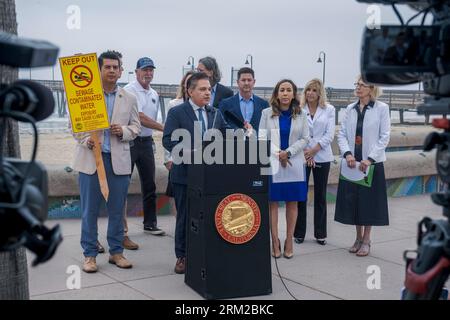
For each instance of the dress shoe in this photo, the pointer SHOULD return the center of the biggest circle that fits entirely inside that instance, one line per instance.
(100, 248)
(276, 256)
(287, 255)
(120, 261)
(180, 266)
(299, 240)
(89, 265)
(322, 242)
(128, 244)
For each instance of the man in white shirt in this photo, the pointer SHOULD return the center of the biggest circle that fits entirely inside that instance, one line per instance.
(142, 151)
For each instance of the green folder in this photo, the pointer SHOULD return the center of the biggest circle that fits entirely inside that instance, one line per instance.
(366, 182)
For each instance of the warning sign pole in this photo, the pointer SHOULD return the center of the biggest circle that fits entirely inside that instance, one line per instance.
(101, 173)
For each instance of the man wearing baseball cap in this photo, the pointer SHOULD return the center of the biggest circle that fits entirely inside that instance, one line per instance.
(142, 153)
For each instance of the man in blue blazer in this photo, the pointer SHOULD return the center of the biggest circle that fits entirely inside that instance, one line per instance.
(244, 105)
(185, 116)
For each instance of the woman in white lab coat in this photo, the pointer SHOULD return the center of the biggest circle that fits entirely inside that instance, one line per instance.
(318, 155)
(363, 138)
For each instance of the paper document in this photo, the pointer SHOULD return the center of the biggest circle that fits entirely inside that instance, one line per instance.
(294, 172)
(355, 175)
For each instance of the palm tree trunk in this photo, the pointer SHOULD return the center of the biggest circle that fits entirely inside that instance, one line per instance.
(13, 264)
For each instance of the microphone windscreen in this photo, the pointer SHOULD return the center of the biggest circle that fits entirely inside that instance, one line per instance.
(46, 102)
(234, 118)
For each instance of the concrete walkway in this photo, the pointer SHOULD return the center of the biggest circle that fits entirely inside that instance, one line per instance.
(315, 272)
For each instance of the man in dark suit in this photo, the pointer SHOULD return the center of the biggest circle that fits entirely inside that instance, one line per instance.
(244, 105)
(195, 117)
(219, 92)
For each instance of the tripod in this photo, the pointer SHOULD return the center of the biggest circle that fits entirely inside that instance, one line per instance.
(427, 273)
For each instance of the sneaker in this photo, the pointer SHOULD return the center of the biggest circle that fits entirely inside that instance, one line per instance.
(100, 248)
(128, 244)
(120, 261)
(90, 265)
(154, 231)
(180, 266)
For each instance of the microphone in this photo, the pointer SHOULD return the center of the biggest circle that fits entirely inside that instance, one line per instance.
(235, 119)
(29, 97)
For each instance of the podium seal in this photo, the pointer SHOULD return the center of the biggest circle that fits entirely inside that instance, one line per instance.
(237, 218)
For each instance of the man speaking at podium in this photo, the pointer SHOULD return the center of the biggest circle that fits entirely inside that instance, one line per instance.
(184, 116)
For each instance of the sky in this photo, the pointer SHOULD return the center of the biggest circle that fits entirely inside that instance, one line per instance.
(284, 37)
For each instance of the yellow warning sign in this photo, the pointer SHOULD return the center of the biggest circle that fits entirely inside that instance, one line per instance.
(84, 92)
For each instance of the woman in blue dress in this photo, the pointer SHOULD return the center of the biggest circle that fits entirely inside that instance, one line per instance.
(285, 124)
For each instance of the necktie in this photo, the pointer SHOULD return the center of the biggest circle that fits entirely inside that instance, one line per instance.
(200, 118)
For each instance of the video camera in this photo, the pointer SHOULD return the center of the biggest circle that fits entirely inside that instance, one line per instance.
(404, 54)
(24, 184)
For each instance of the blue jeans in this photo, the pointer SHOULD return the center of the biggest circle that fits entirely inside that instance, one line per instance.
(91, 199)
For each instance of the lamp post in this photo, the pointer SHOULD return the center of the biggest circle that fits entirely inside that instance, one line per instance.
(234, 72)
(129, 74)
(189, 63)
(323, 69)
(251, 60)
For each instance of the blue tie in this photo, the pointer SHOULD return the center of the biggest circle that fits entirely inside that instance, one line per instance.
(200, 117)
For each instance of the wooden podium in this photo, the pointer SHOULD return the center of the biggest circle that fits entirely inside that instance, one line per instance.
(228, 236)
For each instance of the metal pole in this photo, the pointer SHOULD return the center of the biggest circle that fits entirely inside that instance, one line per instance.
(231, 84)
(323, 68)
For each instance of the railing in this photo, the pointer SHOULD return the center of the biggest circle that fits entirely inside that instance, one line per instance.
(398, 100)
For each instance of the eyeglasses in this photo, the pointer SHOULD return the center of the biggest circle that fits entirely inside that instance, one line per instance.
(359, 84)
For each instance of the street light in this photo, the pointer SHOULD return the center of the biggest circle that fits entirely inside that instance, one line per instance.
(189, 63)
(251, 60)
(129, 74)
(320, 61)
(234, 73)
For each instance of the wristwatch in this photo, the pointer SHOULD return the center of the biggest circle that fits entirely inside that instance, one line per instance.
(289, 154)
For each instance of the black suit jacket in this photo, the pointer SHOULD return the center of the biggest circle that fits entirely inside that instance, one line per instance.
(233, 105)
(222, 92)
(183, 117)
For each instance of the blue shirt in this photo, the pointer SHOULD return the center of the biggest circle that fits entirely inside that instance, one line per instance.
(247, 108)
(110, 99)
(213, 95)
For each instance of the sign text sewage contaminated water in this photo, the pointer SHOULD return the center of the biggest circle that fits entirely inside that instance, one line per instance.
(87, 107)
